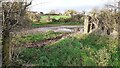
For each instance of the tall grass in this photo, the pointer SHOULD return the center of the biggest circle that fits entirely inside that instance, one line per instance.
(79, 50)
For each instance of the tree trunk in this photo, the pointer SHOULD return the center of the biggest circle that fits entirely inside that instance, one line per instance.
(6, 51)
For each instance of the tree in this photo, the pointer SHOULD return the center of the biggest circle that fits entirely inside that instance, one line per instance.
(52, 12)
(108, 21)
(41, 13)
(105, 22)
(13, 12)
(115, 7)
(34, 16)
(70, 12)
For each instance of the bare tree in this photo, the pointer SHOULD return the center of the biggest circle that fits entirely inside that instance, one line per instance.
(13, 12)
(105, 22)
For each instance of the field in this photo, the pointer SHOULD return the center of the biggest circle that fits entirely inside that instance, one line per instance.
(56, 17)
(78, 50)
(43, 21)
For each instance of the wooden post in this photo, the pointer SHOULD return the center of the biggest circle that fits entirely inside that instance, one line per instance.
(86, 25)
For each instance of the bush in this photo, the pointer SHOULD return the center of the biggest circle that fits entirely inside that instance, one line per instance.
(54, 20)
(75, 18)
(62, 20)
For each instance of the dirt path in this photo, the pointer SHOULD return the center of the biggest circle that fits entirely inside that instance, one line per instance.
(49, 41)
(67, 29)
(43, 42)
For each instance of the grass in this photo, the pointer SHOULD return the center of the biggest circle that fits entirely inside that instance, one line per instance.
(79, 50)
(55, 24)
(44, 23)
(56, 17)
(35, 37)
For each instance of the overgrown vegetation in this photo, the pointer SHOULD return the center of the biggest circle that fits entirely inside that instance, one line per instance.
(59, 20)
(14, 16)
(35, 37)
(79, 50)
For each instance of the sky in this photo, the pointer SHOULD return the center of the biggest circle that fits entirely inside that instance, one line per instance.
(62, 5)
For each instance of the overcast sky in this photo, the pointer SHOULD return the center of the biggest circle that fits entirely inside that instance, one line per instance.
(62, 5)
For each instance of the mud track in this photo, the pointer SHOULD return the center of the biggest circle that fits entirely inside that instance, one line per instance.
(43, 42)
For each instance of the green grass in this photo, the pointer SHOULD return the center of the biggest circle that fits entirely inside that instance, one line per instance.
(56, 17)
(85, 50)
(35, 37)
(55, 24)
(44, 23)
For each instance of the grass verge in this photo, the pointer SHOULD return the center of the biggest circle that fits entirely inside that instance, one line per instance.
(79, 50)
(35, 37)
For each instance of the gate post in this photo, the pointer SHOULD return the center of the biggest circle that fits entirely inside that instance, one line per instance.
(86, 24)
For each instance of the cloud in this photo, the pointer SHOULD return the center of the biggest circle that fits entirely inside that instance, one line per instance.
(47, 5)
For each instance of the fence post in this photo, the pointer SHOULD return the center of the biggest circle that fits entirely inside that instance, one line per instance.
(86, 24)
